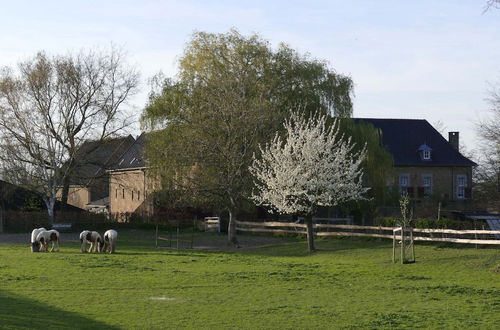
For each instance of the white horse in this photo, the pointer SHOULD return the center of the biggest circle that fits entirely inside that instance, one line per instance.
(109, 243)
(35, 246)
(90, 237)
(45, 236)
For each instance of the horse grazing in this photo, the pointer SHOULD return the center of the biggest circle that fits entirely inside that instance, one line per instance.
(35, 246)
(109, 243)
(90, 237)
(45, 237)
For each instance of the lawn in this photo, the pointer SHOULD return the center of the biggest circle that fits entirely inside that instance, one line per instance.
(348, 283)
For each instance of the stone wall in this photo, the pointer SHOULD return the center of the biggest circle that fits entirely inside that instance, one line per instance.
(77, 196)
(128, 193)
(444, 180)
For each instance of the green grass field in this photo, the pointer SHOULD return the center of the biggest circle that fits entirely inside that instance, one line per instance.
(346, 284)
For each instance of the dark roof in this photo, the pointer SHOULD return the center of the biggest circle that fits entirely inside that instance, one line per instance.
(94, 157)
(133, 157)
(403, 137)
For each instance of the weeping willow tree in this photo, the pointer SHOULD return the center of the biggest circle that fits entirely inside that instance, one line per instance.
(377, 168)
(232, 93)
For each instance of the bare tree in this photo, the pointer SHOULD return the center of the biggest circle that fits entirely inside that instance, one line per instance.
(487, 175)
(314, 166)
(51, 106)
(440, 127)
(491, 4)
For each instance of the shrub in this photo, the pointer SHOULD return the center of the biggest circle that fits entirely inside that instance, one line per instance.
(427, 223)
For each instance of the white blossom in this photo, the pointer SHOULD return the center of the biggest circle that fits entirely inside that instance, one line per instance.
(312, 166)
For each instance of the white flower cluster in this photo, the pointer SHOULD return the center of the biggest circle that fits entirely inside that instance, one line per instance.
(314, 166)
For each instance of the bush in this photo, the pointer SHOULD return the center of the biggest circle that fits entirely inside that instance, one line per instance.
(427, 223)
(25, 221)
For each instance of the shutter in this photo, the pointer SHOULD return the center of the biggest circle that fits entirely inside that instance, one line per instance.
(468, 193)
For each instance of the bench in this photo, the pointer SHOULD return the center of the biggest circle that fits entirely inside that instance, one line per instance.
(212, 224)
(61, 226)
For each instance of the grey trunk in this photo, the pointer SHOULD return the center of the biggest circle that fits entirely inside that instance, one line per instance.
(231, 229)
(65, 192)
(50, 202)
(310, 233)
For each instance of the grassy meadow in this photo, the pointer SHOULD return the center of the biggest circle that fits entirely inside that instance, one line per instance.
(348, 283)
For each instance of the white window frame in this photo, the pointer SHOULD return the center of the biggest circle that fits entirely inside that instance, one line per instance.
(403, 188)
(427, 185)
(426, 154)
(461, 185)
(407, 177)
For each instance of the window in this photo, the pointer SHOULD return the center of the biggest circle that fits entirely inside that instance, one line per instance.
(116, 193)
(461, 185)
(123, 193)
(404, 182)
(425, 152)
(132, 195)
(427, 184)
(138, 194)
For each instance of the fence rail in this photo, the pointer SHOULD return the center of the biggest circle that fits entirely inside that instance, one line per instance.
(324, 230)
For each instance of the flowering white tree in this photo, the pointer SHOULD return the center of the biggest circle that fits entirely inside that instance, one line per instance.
(312, 166)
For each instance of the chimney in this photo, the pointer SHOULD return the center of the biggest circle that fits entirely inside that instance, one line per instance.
(453, 139)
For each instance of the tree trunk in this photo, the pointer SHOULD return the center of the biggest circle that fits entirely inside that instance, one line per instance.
(1, 220)
(231, 229)
(50, 202)
(65, 192)
(310, 233)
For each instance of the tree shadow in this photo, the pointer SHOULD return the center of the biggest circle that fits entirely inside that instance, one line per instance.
(19, 312)
(328, 245)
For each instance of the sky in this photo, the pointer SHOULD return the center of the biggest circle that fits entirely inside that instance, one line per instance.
(432, 60)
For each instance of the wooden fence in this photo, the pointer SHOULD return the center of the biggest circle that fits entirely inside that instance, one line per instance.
(323, 230)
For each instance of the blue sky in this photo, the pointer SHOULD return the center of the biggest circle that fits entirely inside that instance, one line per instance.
(408, 59)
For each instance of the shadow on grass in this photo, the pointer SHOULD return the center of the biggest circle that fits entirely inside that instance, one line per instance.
(299, 248)
(21, 313)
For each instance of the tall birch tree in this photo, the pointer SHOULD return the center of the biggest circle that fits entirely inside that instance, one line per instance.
(312, 165)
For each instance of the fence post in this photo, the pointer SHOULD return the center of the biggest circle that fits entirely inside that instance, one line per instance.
(475, 234)
(192, 233)
(170, 237)
(393, 246)
(439, 211)
(402, 244)
(156, 236)
(177, 238)
(412, 244)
